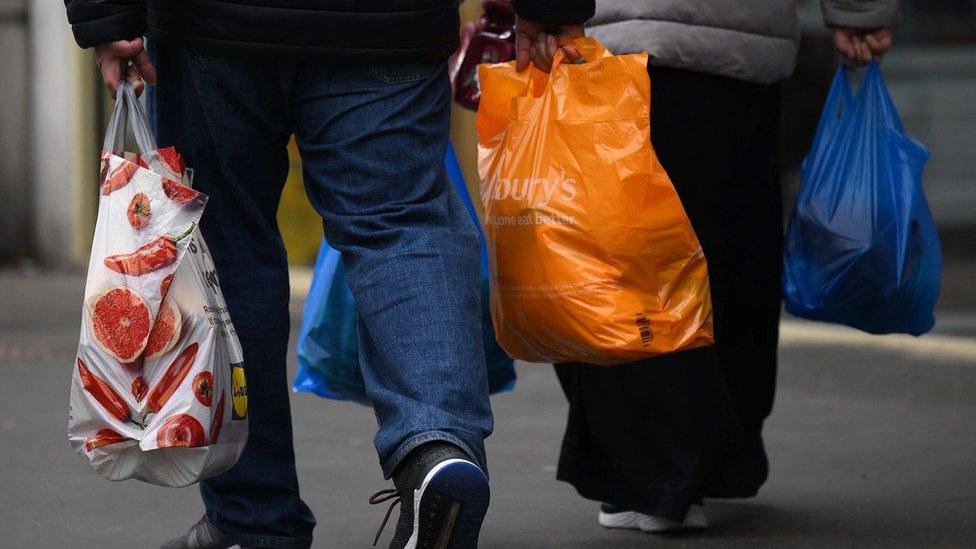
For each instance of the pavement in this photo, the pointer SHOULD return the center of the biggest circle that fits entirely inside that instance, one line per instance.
(871, 442)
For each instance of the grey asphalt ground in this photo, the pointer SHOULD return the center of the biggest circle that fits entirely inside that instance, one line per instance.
(871, 445)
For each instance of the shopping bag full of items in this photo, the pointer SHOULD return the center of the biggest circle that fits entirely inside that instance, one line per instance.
(158, 390)
(592, 256)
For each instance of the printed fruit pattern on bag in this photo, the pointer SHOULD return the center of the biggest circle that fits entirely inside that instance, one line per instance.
(138, 347)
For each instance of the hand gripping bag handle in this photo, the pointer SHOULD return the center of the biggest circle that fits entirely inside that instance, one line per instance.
(128, 108)
(589, 48)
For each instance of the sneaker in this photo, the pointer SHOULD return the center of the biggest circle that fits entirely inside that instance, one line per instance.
(443, 499)
(202, 535)
(616, 517)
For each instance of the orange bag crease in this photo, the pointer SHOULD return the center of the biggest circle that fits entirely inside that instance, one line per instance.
(593, 257)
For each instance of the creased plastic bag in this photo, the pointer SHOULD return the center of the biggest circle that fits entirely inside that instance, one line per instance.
(328, 342)
(593, 257)
(861, 246)
(158, 390)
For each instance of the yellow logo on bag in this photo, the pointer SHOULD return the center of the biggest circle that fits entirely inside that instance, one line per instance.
(239, 391)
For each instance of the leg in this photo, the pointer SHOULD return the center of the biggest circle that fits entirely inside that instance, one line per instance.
(231, 121)
(749, 289)
(675, 418)
(716, 137)
(373, 142)
(644, 435)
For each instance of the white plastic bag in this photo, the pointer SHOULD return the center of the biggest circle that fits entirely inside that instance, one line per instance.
(158, 390)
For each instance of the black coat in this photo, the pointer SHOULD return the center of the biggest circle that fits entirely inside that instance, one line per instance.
(342, 30)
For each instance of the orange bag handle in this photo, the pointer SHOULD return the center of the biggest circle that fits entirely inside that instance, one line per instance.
(591, 50)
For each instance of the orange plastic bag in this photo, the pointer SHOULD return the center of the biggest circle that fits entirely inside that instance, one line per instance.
(593, 258)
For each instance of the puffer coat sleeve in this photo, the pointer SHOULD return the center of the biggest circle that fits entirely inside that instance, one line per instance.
(861, 14)
(95, 22)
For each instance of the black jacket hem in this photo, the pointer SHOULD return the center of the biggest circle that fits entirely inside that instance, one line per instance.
(555, 12)
(336, 54)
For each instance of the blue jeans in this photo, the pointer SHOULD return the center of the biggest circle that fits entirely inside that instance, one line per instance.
(372, 141)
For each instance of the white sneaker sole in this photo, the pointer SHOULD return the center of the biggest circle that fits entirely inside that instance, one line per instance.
(632, 520)
(466, 484)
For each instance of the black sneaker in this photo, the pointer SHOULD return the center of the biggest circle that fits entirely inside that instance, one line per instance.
(443, 499)
(202, 535)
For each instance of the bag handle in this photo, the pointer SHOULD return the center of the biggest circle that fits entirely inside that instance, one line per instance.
(128, 109)
(591, 50)
(873, 89)
(588, 48)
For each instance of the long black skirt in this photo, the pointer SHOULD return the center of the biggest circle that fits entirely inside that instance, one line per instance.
(661, 434)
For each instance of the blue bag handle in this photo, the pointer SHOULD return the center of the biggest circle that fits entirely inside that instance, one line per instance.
(873, 88)
(837, 107)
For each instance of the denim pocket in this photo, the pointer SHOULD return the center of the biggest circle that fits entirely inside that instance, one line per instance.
(204, 57)
(396, 73)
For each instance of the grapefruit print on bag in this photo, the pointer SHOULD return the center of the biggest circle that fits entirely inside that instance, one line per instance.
(120, 322)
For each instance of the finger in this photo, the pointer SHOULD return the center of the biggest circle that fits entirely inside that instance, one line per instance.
(124, 48)
(111, 74)
(539, 53)
(539, 45)
(552, 46)
(145, 66)
(864, 52)
(856, 51)
(842, 41)
(879, 42)
(134, 78)
(523, 53)
(538, 60)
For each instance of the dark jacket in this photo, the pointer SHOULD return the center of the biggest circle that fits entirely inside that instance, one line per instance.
(377, 30)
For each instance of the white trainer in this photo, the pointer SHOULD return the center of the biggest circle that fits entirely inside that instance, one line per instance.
(613, 517)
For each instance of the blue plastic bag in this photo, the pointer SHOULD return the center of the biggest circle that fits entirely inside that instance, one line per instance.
(328, 343)
(861, 246)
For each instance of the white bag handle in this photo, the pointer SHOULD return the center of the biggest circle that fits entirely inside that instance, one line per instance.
(128, 107)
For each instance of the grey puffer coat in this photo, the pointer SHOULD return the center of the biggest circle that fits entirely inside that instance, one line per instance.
(752, 40)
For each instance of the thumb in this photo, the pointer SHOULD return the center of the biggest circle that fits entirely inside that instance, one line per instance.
(572, 54)
(523, 45)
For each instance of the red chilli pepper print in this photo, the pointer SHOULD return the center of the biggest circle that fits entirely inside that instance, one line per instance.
(103, 168)
(97, 387)
(150, 257)
(172, 379)
(119, 177)
(173, 159)
(180, 194)
(103, 437)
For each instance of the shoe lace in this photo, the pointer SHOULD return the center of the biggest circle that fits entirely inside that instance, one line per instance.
(382, 496)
